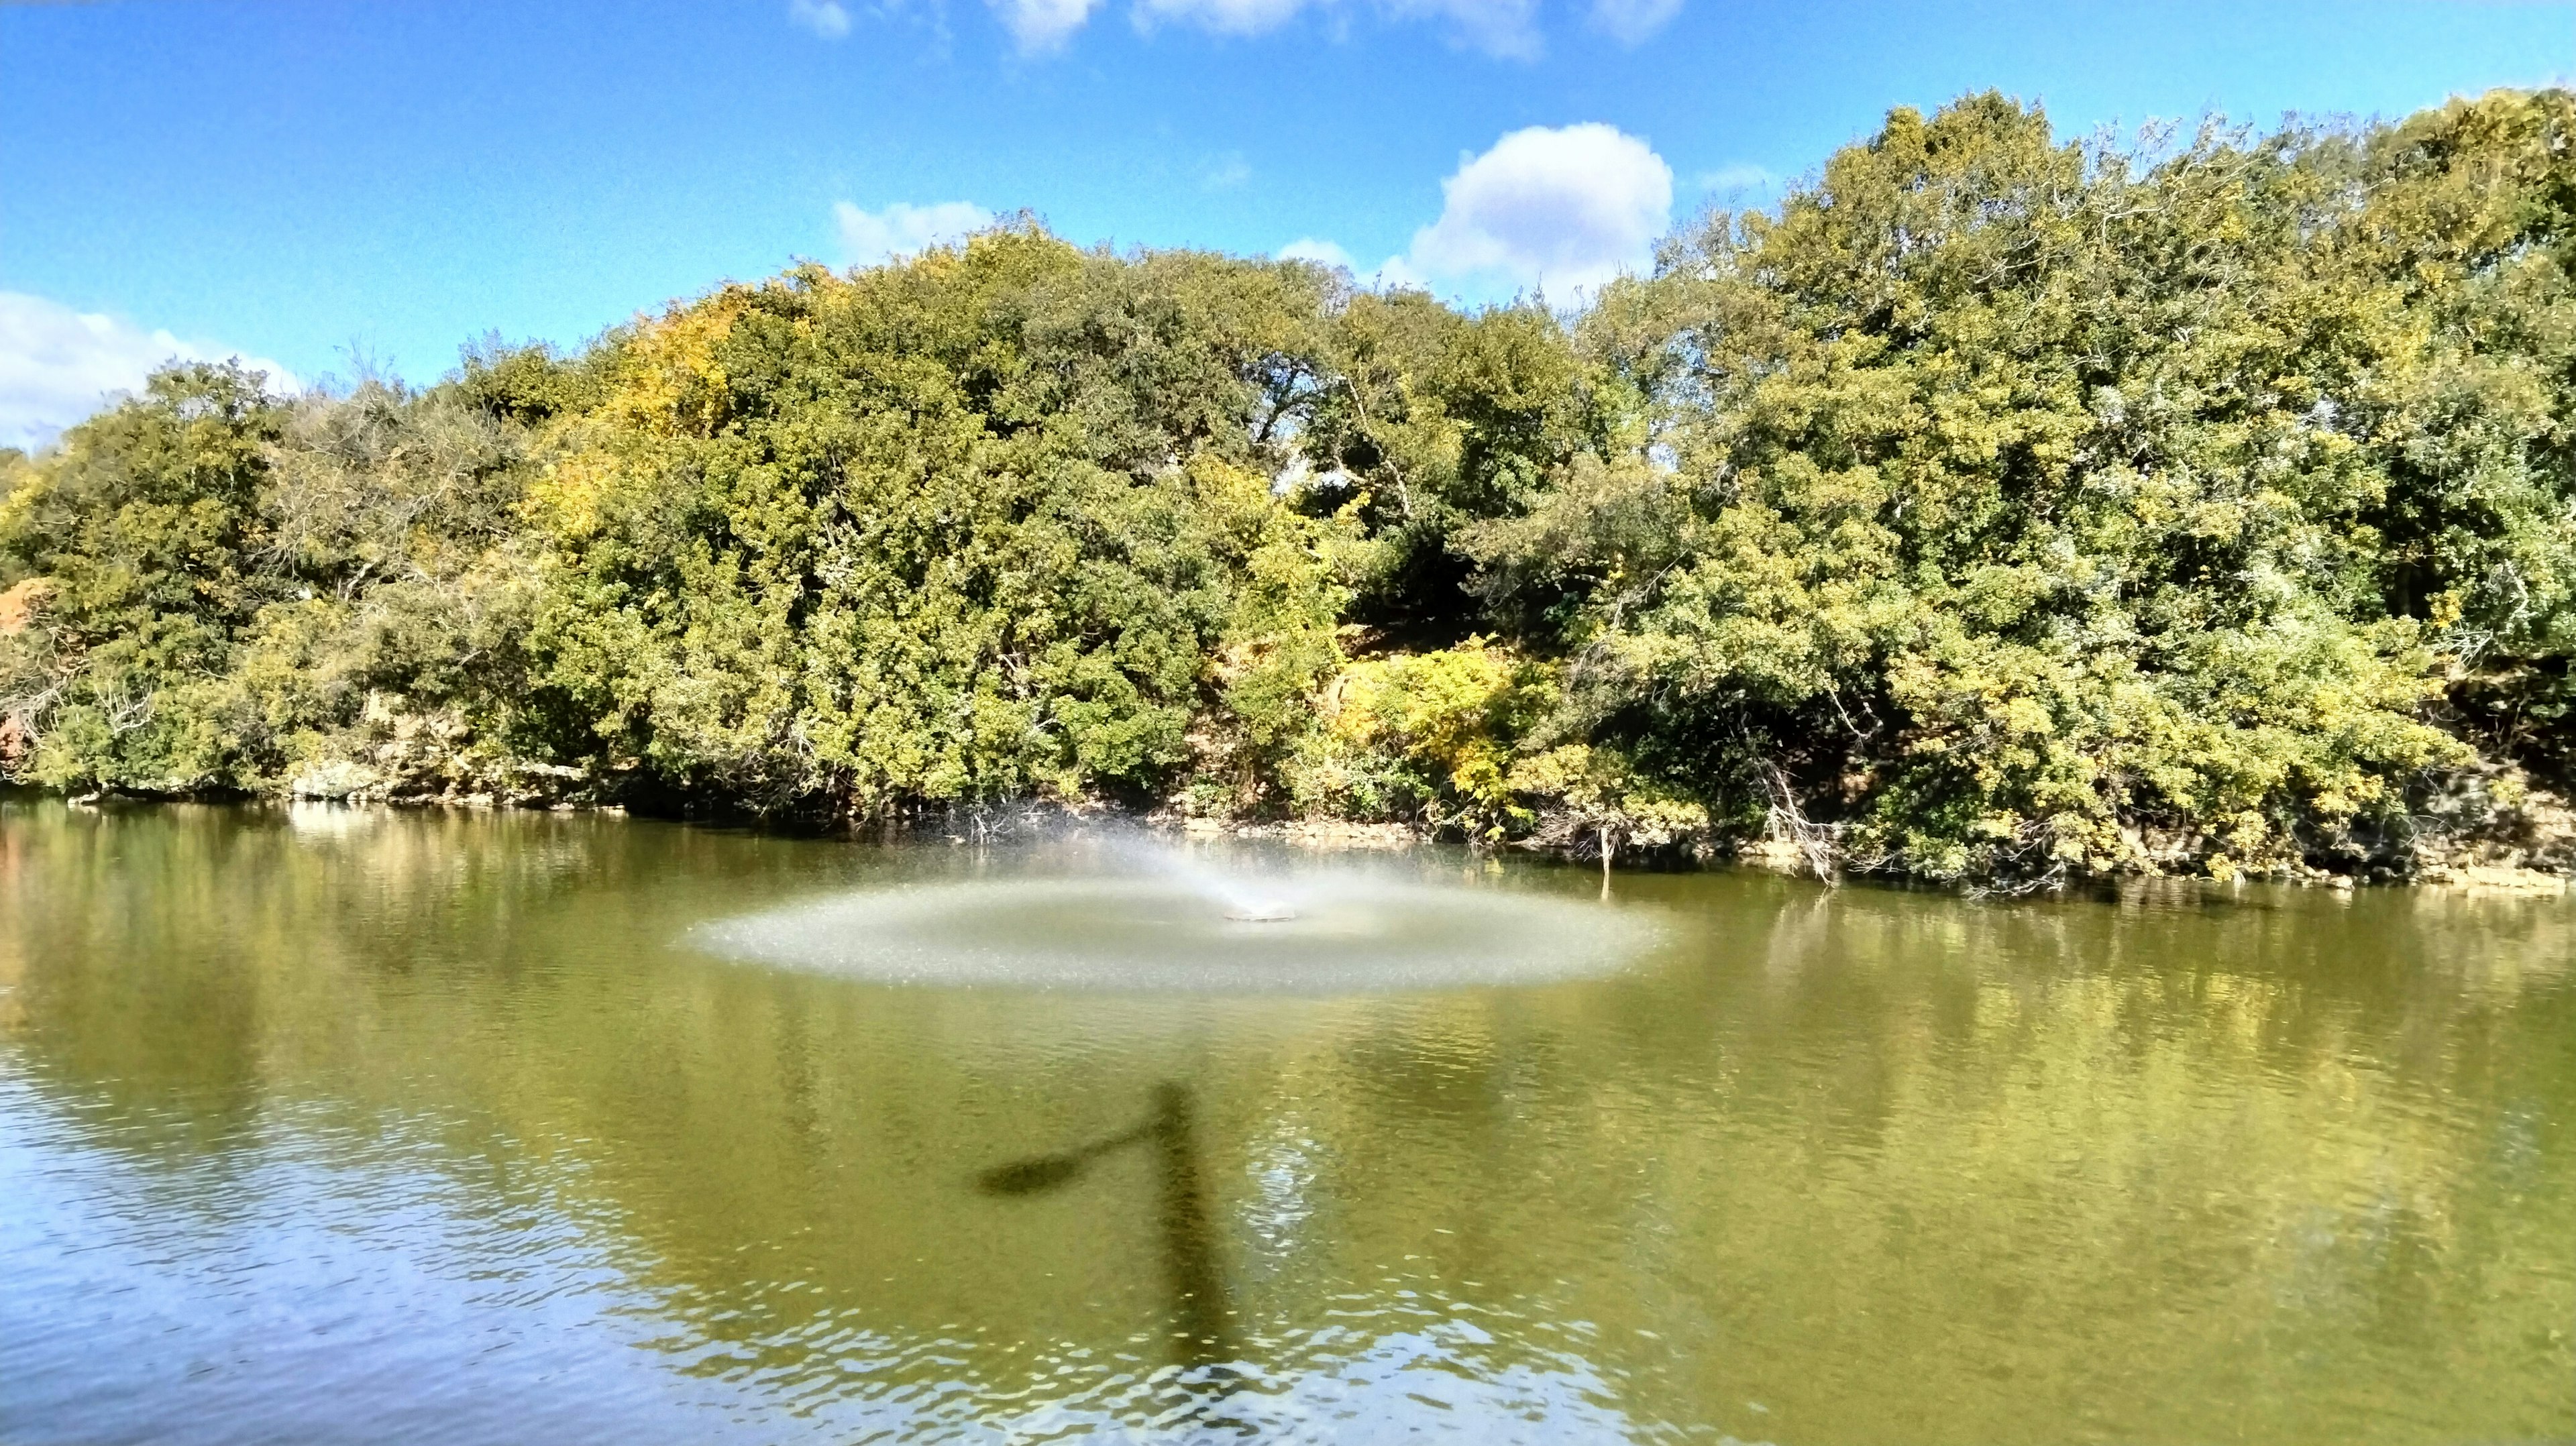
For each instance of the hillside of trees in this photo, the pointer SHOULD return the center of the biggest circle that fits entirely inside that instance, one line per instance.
(1994, 508)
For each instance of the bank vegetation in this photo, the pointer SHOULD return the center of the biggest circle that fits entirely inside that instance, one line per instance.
(1994, 508)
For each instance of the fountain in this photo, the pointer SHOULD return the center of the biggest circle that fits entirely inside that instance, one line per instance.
(1127, 915)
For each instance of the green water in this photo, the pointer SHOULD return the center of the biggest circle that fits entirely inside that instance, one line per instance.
(417, 1127)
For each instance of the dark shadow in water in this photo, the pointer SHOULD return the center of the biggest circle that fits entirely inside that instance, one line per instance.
(1202, 1335)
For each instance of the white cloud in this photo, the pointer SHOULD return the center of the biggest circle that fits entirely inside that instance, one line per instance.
(1565, 208)
(869, 237)
(1042, 25)
(1734, 179)
(1630, 21)
(1225, 17)
(1229, 171)
(1502, 28)
(826, 18)
(1397, 273)
(1322, 253)
(57, 365)
(1505, 28)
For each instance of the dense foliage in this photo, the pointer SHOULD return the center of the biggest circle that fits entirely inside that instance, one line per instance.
(1992, 508)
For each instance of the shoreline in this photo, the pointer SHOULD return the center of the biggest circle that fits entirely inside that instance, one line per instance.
(2508, 877)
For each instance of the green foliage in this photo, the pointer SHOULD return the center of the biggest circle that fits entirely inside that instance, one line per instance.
(978, 525)
(223, 582)
(147, 529)
(1427, 736)
(1427, 422)
(2034, 508)
(1993, 508)
(2469, 234)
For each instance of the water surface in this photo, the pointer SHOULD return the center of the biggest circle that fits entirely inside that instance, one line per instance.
(361, 1126)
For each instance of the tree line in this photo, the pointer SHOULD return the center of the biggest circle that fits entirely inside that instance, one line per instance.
(1993, 508)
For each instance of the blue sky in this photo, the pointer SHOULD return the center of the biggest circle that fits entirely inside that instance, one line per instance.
(293, 179)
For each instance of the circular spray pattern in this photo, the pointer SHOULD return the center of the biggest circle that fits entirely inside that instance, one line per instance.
(1118, 933)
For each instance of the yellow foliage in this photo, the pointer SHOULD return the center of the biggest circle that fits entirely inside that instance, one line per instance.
(672, 384)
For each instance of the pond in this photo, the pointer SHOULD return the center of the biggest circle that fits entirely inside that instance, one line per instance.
(337, 1126)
